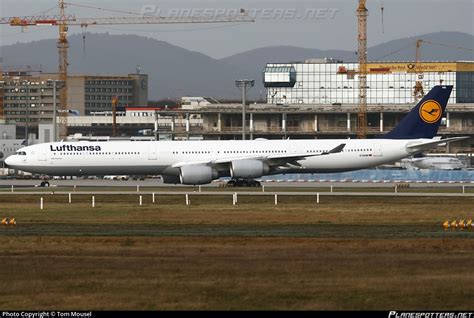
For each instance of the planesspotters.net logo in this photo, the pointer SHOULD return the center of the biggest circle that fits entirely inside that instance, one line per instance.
(283, 13)
(405, 314)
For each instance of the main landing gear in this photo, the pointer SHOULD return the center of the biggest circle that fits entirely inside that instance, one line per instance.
(243, 183)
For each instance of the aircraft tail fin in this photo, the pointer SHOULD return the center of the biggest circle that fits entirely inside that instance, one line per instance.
(424, 119)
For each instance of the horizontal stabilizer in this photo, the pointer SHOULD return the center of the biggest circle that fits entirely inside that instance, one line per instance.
(417, 147)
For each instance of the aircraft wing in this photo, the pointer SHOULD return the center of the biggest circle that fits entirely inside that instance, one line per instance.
(271, 159)
(431, 144)
(293, 156)
(191, 163)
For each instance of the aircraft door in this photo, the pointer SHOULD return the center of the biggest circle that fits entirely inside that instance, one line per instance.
(152, 151)
(42, 156)
(377, 150)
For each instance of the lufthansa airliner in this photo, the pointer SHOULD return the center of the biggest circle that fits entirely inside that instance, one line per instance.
(200, 162)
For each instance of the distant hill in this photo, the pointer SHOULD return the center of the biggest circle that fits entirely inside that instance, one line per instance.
(442, 49)
(396, 50)
(176, 72)
(173, 71)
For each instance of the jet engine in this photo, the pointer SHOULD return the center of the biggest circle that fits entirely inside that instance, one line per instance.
(171, 179)
(197, 174)
(247, 169)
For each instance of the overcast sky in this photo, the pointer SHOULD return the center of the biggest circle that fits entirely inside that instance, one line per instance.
(311, 24)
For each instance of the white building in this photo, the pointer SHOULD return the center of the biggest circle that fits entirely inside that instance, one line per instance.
(197, 102)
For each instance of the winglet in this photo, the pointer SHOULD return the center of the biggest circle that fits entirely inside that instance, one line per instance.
(335, 150)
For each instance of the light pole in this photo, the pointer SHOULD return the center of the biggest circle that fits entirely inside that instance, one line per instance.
(18, 90)
(54, 112)
(27, 111)
(244, 85)
(54, 83)
(2, 111)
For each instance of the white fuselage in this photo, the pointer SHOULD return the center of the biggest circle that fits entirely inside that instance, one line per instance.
(162, 157)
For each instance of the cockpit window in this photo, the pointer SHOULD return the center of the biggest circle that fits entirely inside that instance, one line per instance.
(21, 153)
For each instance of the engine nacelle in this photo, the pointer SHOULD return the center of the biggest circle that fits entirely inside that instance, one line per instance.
(247, 169)
(171, 179)
(197, 174)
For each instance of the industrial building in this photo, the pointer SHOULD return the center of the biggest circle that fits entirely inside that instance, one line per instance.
(87, 94)
(329, 81)
(34, 91)
(90, 93)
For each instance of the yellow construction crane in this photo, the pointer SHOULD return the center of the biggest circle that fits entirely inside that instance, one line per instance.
(418, 89)
(362, 14)
(63, 21)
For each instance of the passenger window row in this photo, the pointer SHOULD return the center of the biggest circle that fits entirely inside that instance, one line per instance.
(98, 153)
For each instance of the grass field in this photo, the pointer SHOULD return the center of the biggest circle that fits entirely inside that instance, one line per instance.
(344, 253)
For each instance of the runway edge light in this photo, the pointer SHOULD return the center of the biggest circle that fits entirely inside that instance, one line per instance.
(454, 225)
(446, 225)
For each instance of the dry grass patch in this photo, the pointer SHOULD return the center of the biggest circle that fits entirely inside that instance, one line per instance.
(235, 273)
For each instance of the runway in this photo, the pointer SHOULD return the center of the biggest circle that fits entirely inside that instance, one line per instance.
(277, 189)
(7, 183)
(244, 193)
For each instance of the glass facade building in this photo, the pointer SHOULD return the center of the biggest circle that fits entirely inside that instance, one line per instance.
(333, 82)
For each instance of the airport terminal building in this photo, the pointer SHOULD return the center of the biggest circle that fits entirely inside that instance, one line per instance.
(332, 82)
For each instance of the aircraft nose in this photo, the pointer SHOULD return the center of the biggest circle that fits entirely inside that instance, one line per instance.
(9, 161)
